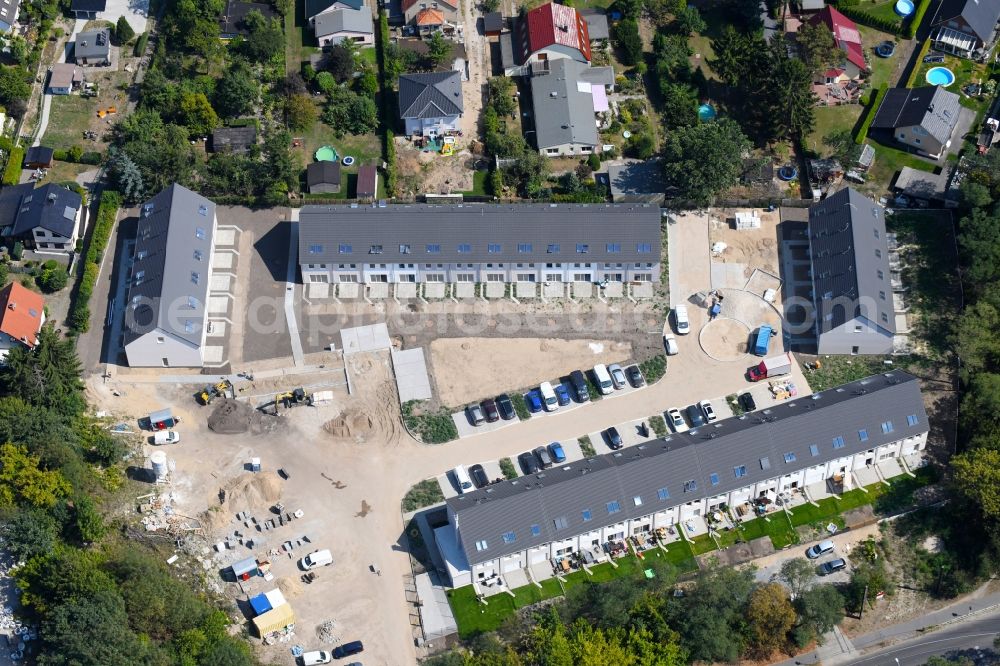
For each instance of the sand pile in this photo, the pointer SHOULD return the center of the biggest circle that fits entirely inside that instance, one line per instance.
(351, 425)
(290, 587)
(253, 491)
(234, 417)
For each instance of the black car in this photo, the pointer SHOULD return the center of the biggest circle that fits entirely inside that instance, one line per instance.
(478, 475)
(529, 463)
(579, 384)
(695, 416)
(634, 376)
(832, 566)
(933, 58)
(747, 402)
(490, 410)
(612, 437)
(348, 649)
(505, 407)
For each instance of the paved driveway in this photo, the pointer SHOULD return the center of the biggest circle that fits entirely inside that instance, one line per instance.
(135, 11)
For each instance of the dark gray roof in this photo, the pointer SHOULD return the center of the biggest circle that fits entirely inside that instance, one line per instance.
(931, 107)
(10, 203)
(524, 233)
(51, 207)
(344, 20)
(757, 441)
(921, 184)
(318, 173)
(88, 5)
(38, 155)
(8, 11)
(173, 256)
(232, 21)
(563, 113)
(430, 94)
(980, 15)
(235, 139)
(597, 23)
(493, 22)
(92, 44)
(848, 249)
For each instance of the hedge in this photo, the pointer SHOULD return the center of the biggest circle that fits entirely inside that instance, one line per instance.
(75, 154)
(107, 212)
(917, 18)
(12, 173)
(872, 21)
(140, 44)
(916, 63)
(876, 101)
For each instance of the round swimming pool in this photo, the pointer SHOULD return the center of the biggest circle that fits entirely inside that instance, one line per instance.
(706, 112)
(940, 76)
(326, 154)
(787, 173)
(904, 7)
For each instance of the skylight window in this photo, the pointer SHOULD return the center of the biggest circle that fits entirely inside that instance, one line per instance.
(434, 248)
(197, 255)
(863, 435)
(404, 248)
(553, 248)
(911, 420)
(838, 442)
(643, 248)
(199, 233)
(637, 500)
(714, 478)
(614, 248)
(203, 210)
(789, 457)
(536, 530)
(481, 545)
(582, 248)
(313, 249)
(887, 427)
(375, 249)
(813, 449)
(586, 515)
(740, 471)
(690, 486)
(464, 248)
(509, 537)
(561, 523)
(765, 463)
(524, 248)
(345, 248)
(495, 248)
(195, 277)
(614, 507)
(663, 494)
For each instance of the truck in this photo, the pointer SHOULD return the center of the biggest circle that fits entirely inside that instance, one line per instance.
(762, 341)
(166, 437)
(774, 366)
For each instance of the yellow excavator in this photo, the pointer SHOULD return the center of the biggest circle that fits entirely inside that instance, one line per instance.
(224, 389)
(288, 399)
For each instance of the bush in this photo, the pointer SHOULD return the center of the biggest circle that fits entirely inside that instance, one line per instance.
(520, 406)
(52, 280)
(586, 447)
(654, 368)
(79, 316)
(423, 494)
(870, 114)
(594, 161)
(140, 44)
(658, 425)
(508, 469)
(432, 427)
(12, 173)
(916, 19)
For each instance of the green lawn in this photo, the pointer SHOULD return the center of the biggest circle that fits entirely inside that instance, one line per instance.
(882, 68)
(365, 149)
(830, 119)
(775, 526)
(966, 71)
(888, 162)
(478, 184)
(837, 370)
(883, 10)
(70, 116)
(702, 544)
(298, 40)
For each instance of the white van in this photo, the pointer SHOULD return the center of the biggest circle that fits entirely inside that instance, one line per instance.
(603, 377)
(319, 558)
(166, 437)
(681, 319)
(462, 480)
(549, 397)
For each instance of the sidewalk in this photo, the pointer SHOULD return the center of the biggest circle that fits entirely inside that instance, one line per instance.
(835, 651)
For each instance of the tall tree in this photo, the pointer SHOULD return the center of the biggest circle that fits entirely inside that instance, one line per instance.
(704, 159)
(625, 36)
(797, 574)
(46, 376)
(820, 609)
(770, 616)
(438, 50)
(123, 30)
(816, 46)
(237, 91)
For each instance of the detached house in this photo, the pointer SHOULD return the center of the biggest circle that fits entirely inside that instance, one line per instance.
(966, 28)
(921, 118)
(549, 32)
(46, 219)
(852, 291)
(445, 11)
(340, 25)
(430, 103)
(21, 317)
(93, 48)
(566, 97)
(847, 37)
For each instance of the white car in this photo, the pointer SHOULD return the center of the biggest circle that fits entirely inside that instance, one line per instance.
(315, 559)
(670, 344)
(316, 657)
(681, 320)
(706, 408)
(675, 419)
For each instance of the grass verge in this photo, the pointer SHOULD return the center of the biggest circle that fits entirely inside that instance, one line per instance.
(425, 493)
(432, 427)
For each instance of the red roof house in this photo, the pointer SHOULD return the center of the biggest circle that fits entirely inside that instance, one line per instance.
(21, 317)
(555, 29)
(846, 35)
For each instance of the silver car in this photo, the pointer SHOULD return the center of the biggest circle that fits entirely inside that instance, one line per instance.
(617, 376)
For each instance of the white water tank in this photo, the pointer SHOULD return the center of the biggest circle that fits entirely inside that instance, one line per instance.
(159, 461)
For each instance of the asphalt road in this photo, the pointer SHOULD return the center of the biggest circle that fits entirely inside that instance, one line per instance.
(973, 640)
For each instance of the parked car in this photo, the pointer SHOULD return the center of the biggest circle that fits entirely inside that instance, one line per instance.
(832, 566)
(706, 407)
(475, 415)
(478, 475)
(316, 657)
(613, 438)
(617, 376)
(505, 407)
(348, 649)
(557, 453)
(820, 549)
(490, 410)
(549, 399)
(934, 58)
(602, 379)
(544, 459)
(695, 416)
(319, 558)
(529, 464)
(534, 400)
(681, 320)
(747, 402)
(635, 377)
(670, 344)
(674, 418)
(579, 384)
(462, 480)
(166, 437)
(562, 394)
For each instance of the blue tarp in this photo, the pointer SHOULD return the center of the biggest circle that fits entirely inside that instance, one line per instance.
(260, 604)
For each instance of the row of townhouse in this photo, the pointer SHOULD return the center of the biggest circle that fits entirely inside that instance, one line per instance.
(585, 504)
(473, 243)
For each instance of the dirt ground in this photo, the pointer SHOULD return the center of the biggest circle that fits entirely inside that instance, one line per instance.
(756, 248)
(469, 368)
(430, 173)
